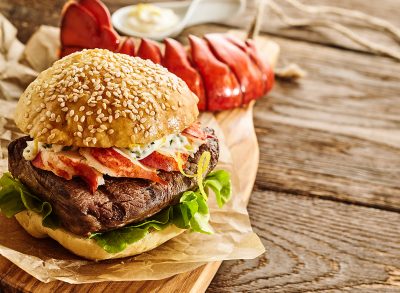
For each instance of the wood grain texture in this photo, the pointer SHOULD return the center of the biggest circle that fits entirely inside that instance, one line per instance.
(316, 245)
(335, 135)
(200, 277)
(336, 132)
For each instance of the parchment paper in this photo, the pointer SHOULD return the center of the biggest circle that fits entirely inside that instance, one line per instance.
(234, 239)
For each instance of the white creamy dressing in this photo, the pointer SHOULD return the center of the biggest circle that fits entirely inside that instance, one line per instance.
(33, 148)
(148, 18)
(169, 145)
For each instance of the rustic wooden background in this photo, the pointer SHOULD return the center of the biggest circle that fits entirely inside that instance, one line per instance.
(327, 197)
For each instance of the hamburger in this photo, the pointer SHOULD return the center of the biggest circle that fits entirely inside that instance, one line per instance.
(115, 162)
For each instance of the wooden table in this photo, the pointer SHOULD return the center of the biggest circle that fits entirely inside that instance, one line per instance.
(326, 201)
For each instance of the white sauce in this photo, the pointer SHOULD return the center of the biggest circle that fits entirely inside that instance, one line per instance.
(31, 151)
(171, 144)
(148, 18)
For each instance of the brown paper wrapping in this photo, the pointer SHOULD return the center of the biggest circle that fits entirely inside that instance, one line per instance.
(234, 239)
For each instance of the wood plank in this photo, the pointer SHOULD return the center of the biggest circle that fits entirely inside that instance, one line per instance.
(200, 277)
(336, 132)
(315, 245)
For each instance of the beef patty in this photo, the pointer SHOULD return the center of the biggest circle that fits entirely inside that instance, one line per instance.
(118, 202)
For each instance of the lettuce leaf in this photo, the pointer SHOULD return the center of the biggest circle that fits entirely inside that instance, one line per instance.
(191, 212)
(15, 198)
(220, 182)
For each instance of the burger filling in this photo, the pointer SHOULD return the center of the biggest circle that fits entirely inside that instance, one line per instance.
(169, 153)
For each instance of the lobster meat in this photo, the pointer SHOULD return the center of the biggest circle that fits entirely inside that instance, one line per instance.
(222, 70)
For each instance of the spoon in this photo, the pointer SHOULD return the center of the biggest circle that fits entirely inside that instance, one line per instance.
(188, 13)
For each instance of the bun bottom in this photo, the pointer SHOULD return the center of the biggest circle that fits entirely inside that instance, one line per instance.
(88, 248)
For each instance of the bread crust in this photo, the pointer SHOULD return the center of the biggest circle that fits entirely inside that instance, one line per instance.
(88, 248)
(98, 98)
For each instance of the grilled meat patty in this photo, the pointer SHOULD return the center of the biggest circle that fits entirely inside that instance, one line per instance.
(117, 203)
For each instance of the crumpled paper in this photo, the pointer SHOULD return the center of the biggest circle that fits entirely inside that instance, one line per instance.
(47, 261)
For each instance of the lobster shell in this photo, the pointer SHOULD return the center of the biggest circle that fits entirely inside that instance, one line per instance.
(224, 71)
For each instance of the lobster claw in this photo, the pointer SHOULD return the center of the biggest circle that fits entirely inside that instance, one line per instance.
(222, 88)
(176, 61)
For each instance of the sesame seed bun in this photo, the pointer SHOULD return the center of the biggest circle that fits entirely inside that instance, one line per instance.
(88, 248)
(98, 98)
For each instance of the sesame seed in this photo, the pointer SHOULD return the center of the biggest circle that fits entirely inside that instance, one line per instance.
(79, 134)
(29, 127)
(110, 131)
(80, 128)
(65, 109)
(58, 120)
(76, 118)
(143, 120)
(81, 108)
(91, 126)
(102, 126)
(94, 140)
(82, 119)
(88, 113)
(44, 130)
(51, 136)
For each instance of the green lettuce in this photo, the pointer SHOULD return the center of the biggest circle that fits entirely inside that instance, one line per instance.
(15, 198)
(191, 212)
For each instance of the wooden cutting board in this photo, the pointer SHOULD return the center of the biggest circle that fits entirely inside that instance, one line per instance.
(14, 279)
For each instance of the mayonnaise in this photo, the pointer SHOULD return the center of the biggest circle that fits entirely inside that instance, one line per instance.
(148, 18)
(171, 144)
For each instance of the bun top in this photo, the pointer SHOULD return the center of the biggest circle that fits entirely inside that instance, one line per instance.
(98, 98)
